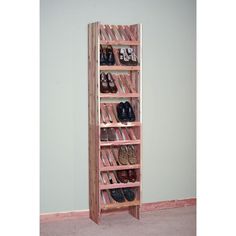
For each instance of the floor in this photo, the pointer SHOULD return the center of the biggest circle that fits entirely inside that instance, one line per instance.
(176, 222)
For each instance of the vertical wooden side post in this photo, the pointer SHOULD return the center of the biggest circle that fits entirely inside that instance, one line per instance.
(137, 30)
(93, 114)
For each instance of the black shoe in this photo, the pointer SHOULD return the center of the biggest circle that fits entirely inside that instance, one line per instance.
(103, 56)
(129, 194)
(110, 56)
(129, 112)
(111, 83)
(117, 195)
(104, 86)
(121, 112)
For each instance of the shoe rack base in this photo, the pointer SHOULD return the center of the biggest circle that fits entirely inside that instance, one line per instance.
(130, 79)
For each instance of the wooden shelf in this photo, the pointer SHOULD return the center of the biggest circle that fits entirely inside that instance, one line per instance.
(119, 95)
(120, 142)
(120, 205)
(119, 185)
(121, 167)
(128, 124)
(119, 42)
(119, 68)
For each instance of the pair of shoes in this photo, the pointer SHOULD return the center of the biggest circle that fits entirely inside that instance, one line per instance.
(126, 155)
(125, 112)
(120, 195)
(126, 175)
(108, 134)
(128, 57)
(107, 56)
(107, 84)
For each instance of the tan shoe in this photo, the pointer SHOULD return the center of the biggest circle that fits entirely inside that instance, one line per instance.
(131, 155)
(123, 156)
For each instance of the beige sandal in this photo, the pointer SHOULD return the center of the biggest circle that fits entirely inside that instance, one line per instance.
(123, 155)
(131, 155)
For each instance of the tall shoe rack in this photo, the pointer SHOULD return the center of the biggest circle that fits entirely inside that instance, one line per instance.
(102, 114)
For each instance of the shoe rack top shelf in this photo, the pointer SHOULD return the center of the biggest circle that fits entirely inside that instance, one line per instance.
(118, 35)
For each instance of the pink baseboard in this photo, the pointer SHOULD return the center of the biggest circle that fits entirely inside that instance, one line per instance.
(50, 217)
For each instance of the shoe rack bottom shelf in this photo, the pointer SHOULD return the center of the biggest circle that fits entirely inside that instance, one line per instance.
(120, 205)
(108, 203)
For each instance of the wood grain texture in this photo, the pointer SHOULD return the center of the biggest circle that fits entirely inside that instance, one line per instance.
(93, 49)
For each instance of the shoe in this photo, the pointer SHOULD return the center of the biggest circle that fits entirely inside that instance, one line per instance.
(129, 194)
(132, 176)
(117, 195)
(103, 56)
(131, 155)
(123, 156)
(104, 86)
(121, 112)
(110, 56)
(133, 59)
(111, 134)
(104, 135)
(129, 112)
(111, 83)
(122, 176)
(123, 56)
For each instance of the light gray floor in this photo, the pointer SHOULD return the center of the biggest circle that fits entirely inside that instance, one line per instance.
(176, 222)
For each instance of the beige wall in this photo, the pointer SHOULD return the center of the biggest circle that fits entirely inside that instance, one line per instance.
(169, 159)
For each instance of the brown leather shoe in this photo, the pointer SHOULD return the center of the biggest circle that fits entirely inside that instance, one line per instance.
(111, 134)
(122, 176)
(132, 176)
(104, 135)
(104, 87)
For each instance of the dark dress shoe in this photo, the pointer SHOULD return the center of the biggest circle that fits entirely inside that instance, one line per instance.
(129, 112)
(122, 176)
(104, 86)
(121, 112)
(111, 83)
(132, 175)
(111, 134)
(104, 135)
(117, 195)
(110, 56)
(129, 194)
(103, 56)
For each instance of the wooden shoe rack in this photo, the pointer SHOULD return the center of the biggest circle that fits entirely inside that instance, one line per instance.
(103, 155)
